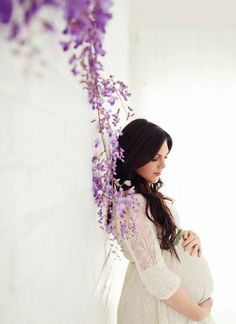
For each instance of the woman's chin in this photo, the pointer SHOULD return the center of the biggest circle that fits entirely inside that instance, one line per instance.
(155, 180)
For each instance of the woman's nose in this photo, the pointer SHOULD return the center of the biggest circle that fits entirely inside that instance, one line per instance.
(162, 163)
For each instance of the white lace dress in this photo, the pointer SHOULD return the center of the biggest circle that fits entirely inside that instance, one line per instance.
(153, 275)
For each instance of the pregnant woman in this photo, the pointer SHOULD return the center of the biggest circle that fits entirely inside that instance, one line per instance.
(164, 284)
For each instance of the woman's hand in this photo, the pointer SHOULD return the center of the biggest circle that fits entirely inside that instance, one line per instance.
(207, 305)
(192, 243)
(184, 304)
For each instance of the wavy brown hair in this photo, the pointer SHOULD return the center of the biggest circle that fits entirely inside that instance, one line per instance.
(141, 140)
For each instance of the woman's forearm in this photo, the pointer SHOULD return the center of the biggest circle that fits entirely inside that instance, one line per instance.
(184, 304)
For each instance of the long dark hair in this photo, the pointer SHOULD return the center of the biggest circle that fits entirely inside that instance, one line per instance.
(141, 140)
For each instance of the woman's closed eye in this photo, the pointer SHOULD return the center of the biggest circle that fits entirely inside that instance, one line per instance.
(156, 158)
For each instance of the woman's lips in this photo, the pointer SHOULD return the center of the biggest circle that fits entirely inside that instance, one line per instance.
(157, 174)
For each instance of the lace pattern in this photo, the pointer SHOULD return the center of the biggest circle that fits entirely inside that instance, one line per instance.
(142, 247)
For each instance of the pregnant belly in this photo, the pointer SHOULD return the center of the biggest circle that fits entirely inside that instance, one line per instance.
(194, 272)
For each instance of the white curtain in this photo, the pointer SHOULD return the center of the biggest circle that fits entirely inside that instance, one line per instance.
(185, 81)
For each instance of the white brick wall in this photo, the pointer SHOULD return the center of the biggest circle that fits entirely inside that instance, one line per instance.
(52, 251)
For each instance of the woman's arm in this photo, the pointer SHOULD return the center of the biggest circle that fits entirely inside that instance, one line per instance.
(184, 304)
(158, 279)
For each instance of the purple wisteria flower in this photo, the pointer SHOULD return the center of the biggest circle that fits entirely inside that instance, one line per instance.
(82, 37)
(5, 11)
(19, 14)
(102, 14)
(86, 22)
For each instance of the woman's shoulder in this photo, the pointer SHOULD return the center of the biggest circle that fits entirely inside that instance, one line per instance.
(139, 197)
(133, 196)
(130, 201)
(136, 202)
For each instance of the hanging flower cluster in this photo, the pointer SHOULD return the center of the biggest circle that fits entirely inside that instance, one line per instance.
(85, 26)
(19, 14)
(84, 34)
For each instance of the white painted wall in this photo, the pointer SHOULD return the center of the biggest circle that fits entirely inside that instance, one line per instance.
(52, 251)
(201, 14)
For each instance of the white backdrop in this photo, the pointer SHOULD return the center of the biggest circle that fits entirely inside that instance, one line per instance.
(54, 267)
(185, 81)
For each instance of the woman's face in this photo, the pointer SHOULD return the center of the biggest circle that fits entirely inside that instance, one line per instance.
(152, 170)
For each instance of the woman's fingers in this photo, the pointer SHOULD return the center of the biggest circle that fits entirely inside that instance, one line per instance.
(191, 244)
(200, 251)
(195, 250)
(186, 234)
(190, 236)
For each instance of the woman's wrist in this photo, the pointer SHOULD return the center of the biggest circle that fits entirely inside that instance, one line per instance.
(184, 304)
(202, 314)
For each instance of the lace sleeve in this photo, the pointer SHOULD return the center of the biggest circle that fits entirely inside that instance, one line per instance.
(144, 248)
